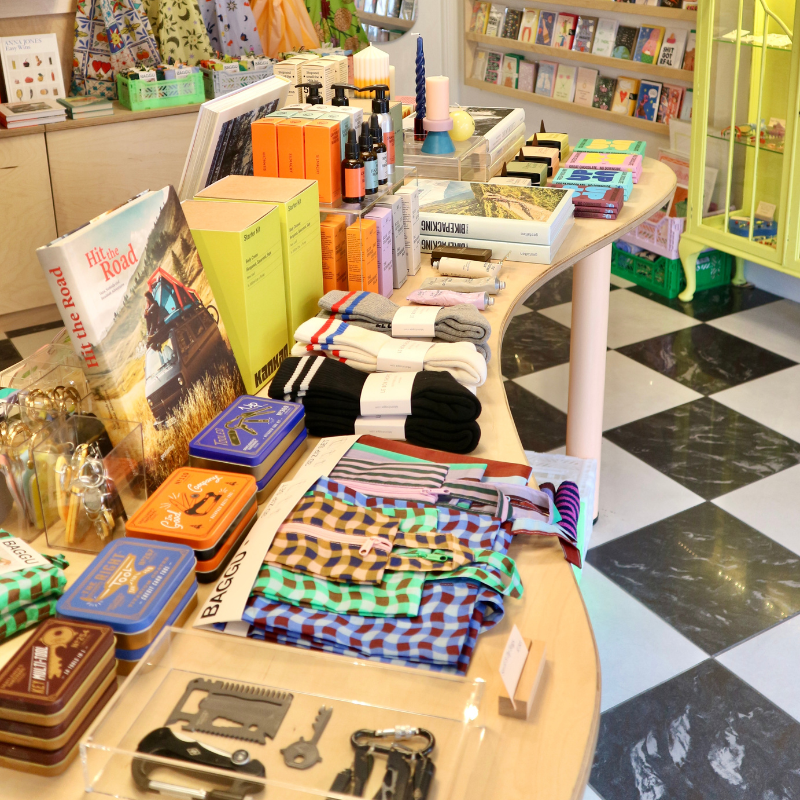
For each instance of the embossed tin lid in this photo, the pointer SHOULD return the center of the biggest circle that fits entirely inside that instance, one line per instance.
(251, 432)
(44, 682)
(195, 507)
(128, 584)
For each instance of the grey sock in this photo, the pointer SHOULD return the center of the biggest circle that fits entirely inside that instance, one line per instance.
(462, 323)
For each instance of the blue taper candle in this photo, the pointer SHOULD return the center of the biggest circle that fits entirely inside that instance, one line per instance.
(419, 131)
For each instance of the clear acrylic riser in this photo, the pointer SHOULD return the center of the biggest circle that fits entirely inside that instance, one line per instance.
(400, 177)
(361, 694)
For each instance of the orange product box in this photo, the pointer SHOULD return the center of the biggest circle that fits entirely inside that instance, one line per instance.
(201, 508)
(291, 148)
(264, 136)
(333, 232)
(362, 256)
(324, 157)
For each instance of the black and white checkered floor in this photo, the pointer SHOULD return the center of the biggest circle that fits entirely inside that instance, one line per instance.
(693, 575)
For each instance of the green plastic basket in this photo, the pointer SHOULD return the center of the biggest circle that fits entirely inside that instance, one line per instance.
(146, 95)
(665, 276)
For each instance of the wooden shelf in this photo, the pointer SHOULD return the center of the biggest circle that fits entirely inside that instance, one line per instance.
(390, 23)
(561, 53)
(528, 97)
(673, 14)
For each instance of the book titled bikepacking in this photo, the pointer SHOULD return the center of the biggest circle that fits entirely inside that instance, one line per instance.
(460, 209)
(141, 315)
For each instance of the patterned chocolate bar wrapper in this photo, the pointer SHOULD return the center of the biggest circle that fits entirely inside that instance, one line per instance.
(23, 587)
(27, 617)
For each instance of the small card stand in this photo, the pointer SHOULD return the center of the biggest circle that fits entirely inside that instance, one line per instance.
(528, 684)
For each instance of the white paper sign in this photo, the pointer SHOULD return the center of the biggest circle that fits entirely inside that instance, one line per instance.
(387, 393)
(325, 456)
(388, 427)
(403, 355)
(765, 210)
(415, 321)
(16, 555)
(513, 662)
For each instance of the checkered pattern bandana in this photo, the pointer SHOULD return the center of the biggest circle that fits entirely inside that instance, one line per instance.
(19, 589)
(26, 617)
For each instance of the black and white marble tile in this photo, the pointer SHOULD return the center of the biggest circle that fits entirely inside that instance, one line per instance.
(707, 573)
(707, 447)
(532, 343)
(704, 735)
(714, 303)
(541, 427)
(706, 359)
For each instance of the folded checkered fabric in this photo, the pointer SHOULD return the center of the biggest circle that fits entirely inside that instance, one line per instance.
(375, 455)
(26, 617)
(22, 587)
(425, 474)
(442, 636)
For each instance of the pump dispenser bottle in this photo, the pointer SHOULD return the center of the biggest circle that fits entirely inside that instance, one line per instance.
(370, 160)
(380, 107)
(339, 96)
(353, 166)
(379, 148)
(313, 97)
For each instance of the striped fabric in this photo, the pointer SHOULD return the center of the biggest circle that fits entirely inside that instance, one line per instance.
(426, 475)
(568, 503)
(297, 386)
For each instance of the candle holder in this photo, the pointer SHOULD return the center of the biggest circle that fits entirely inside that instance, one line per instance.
(437, 120)
(437, 139)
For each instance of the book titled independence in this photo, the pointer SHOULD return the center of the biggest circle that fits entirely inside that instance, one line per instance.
(490, 211)
(140, 313)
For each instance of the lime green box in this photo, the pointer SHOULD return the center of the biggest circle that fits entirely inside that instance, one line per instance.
(297, 202)
(239, 245)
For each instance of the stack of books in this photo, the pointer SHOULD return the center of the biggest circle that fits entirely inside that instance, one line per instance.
(597, 203)
(520, 223)
(87, 107)
(35, 112)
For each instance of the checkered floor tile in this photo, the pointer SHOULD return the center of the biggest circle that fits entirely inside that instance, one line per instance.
(692, 579)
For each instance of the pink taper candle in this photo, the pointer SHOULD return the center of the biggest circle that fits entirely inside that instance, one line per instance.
(437, 97)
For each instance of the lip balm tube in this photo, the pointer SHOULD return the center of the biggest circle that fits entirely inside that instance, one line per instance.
(458, 268)
(490, 285)
(442, 297)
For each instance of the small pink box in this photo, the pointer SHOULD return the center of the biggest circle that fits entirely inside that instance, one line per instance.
(384, 224)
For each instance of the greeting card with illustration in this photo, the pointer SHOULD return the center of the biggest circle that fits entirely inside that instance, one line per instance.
(31, 67)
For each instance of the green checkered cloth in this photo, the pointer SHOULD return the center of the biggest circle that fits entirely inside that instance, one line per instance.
(32, 614)
(19, 589)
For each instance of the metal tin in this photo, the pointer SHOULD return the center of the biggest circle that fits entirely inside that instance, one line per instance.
(249, 436)
(279, 469)
(193, 507)
(215, 570)
(48, 680)
(214, 553)
(133, 586)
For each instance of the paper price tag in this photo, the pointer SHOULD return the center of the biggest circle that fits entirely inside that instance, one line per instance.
(16, 554)
(385, 426)
(415, 321)
(387, 393)
(403, 355)
(513, 662)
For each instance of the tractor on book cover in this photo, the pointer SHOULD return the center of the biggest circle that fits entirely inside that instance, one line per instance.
(182, 340)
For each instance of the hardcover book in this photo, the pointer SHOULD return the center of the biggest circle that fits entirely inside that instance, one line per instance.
(648, 44)
(565, 31)
(488, 211)
(686, 106)
(527, 28)
(512, 23)
(545, 80)
(604, 92)
(595, 177)
(495, 22)
(510, 70)
(546, 29)
(494, 124)
(480, 16)
(527, 76)
(669, 104)
(86, 106)
(627, 146)
(479, 65)
(647, 104)
(141, 314)
(688, 56)
(625, 42)
(604, 37)
(31, 67)
(584, 86)
(494, 67)
(584, 34)
(625, 96)
(671, 3)
(672, 48)
(565, 83)
(38, 112)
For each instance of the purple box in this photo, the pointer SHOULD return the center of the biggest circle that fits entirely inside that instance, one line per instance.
(383, 221)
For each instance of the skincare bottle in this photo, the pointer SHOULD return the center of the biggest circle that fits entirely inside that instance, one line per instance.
(379, 148)
(354, 190)
(369, 159)
(380, 106)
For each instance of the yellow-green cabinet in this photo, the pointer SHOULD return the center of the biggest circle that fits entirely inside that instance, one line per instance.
(744, 195)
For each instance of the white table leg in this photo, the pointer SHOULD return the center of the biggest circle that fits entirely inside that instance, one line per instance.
(587, 358)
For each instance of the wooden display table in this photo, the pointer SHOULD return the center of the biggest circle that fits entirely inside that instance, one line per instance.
(549, 756)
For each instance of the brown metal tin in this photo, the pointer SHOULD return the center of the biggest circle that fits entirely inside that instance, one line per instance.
(278, 477)
(51, 675)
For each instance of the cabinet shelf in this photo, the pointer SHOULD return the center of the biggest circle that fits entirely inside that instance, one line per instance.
(754, 45)
(598, 113)
(382, 21)
(765, 148)
(624, 8)
(559, 53)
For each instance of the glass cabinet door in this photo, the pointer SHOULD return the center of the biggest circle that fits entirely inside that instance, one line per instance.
(744, 126)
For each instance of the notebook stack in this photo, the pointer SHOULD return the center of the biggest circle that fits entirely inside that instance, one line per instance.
(611, 162)
(35, 112)
(50, 693)
(87, 107)
(137, 588)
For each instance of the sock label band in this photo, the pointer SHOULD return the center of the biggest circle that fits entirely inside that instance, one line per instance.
(387, 393)
(402, 355)
(386, 426)
(415, 321)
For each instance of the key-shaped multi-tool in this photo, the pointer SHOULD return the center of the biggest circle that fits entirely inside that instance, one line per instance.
(302, 754)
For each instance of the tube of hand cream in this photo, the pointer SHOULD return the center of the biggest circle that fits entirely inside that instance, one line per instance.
(459, 268)
(490, 285)
(441, 297)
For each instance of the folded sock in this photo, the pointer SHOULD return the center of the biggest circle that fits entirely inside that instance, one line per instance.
(460, 323)
(329, 387)
(359, 348)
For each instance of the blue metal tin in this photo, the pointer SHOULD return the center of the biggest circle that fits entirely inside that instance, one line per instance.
(285, 457)
(134, 586)
(249, 436)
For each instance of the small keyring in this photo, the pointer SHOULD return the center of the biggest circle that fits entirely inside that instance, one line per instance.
(91, 473)
(408, 733)
(12, 431)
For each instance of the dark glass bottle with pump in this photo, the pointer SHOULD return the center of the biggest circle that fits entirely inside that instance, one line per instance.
(380, 106)
(370, 160)
(353, 166)
(339, 96)
(313, 97)
(379, 148)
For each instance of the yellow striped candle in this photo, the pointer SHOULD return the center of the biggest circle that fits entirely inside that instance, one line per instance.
(370, 66)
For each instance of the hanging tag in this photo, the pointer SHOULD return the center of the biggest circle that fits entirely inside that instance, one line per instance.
(385, 426)
(415, 321)
(403, 355)
(513, 661)
(387, 393)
